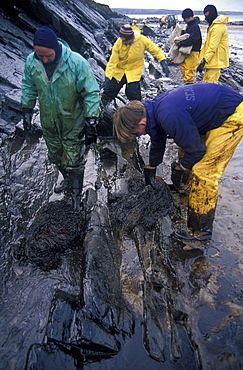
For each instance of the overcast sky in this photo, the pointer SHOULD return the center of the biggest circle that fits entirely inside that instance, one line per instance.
(229, 5)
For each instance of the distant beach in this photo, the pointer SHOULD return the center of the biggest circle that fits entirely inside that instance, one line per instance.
(235, 31)
(232, 17)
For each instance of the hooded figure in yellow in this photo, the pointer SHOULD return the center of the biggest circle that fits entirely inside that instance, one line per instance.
(125, 66)
(135, 26)
(215, 52)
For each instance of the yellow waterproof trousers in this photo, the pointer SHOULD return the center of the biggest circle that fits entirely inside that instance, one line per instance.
(211, 75)
(221, 144)
(189, 66)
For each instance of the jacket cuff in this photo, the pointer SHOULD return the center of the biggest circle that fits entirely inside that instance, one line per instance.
(183, 168)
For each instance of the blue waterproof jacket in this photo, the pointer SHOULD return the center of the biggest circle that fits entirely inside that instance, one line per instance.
(184, 114)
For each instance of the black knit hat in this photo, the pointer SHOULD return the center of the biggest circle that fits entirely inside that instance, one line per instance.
(187, 13)
(126, 32)
(46, 38)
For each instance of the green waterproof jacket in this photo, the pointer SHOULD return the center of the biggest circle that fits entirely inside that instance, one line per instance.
(64, 101)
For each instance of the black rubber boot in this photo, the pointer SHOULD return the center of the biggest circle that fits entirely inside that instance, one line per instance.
(200, 226)
(76, 186)
(184, 234)
(197, 235)
(149, 176)
(64, 184)
(203, 234)
(196, 221)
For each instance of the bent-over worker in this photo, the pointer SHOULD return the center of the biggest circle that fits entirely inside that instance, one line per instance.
(184, 114)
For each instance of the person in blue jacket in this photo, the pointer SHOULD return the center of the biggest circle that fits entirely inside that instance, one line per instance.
(68, 96)
(185, 114)
(190, 64)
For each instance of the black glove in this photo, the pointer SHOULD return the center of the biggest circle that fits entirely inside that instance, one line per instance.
(149, 176)
(201, 65)
(107, 80)
(179, 177)
(90, 130)
(165, 68)
(27, 118)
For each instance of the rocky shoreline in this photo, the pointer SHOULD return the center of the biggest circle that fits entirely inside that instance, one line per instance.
(108, 286)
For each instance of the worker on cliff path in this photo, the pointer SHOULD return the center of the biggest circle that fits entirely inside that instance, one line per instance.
(125, 66)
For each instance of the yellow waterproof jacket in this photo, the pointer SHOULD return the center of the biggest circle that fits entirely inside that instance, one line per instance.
(216, 48)
(129, 59)
(136, 29)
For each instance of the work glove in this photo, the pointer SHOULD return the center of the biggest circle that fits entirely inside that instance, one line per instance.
(27, 119)
(149, 176)
(90, 130)
(107, 80)
(179, 178)
(165, 68)
(201, 65)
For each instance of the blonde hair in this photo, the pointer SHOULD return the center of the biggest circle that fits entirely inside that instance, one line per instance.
(126, 118)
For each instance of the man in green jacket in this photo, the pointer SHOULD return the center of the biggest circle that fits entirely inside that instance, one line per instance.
(125, 66)
(68, 95)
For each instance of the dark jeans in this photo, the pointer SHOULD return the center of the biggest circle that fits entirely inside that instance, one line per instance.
(133, 91)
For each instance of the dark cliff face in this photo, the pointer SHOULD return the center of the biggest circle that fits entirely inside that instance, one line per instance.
(89, 29)
(81, 24)
(86, 26)
(85, 29)
(102, 9)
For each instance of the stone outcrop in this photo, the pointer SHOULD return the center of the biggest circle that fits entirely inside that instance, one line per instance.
(77, 287)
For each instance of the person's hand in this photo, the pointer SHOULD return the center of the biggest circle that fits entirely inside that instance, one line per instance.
(179, 177)
(165, 68)
(90, 130)
(149, 175)
(201, 66)
(107, 80)
(176, 41)
(27, 119)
